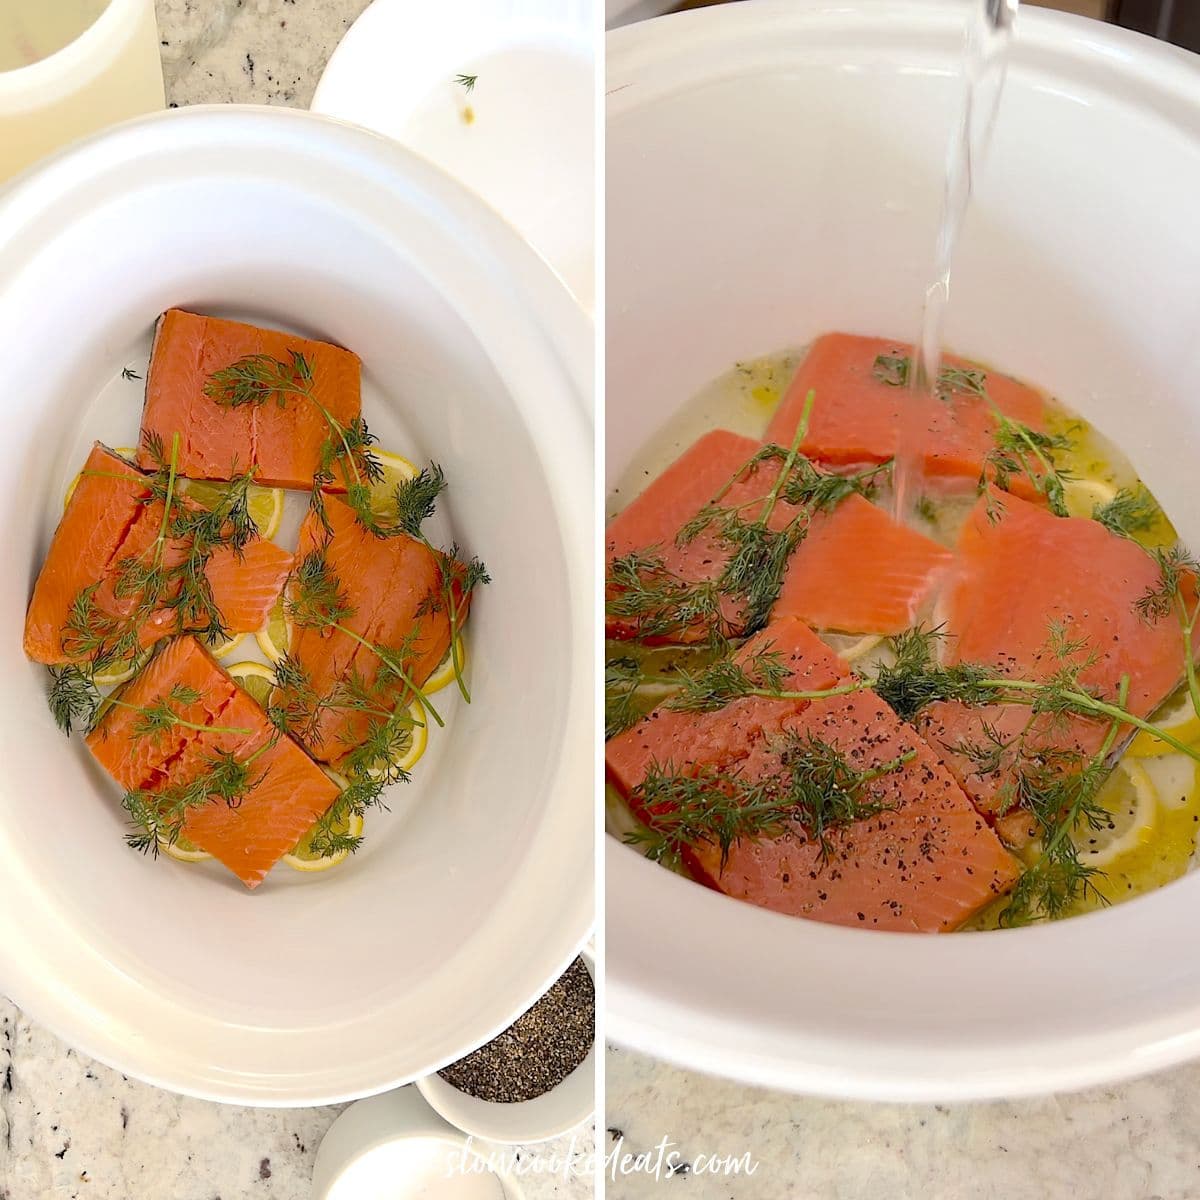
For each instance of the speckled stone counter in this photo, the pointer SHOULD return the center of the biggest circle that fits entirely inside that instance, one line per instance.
(71, 1129)
(1136, 1141)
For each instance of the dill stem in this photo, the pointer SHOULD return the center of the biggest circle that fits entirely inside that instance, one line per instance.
(1072, 815)
(845, 689)
(886, 768)
(175, 720)
(1082, 701)
(161, 540)
(455, 662)
(395, 668)
(1188, 625)
(339, 429)
(785, 470)
(1111, 736)
(1021, 432)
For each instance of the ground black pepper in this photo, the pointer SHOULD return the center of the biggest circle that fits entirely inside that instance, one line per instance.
(538, 1050)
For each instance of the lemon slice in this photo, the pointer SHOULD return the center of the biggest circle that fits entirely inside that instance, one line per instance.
(303, 858)
(1174, 779)
(1083, 495)
(444, 673)
(396, 469)
(124, 451)
(276, 635)
(417, 741)
(849, 648)
(1179, 719)
(183, 851)
(1131, 801)
(225, 648)
(119, 672)
(265, 505)
(255, 678)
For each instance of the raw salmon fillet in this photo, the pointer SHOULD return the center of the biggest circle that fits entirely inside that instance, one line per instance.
(722, 739)
(388, 583)
(1028, 568)
(651, 522)
(857, 418)
(1014, 576)
(927, 866)
(281, 443)
(1036, 742)
(860, 571)
(289, 792)
(111, 519)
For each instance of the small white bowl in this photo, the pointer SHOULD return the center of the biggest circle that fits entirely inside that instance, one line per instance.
(563, 1107)
(395, 1147)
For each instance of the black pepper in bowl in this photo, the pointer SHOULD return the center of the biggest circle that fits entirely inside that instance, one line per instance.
(538, 1050)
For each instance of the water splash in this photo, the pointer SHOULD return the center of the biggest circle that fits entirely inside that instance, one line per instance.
(985, 63)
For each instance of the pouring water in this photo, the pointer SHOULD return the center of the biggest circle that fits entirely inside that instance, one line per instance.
(985, 61)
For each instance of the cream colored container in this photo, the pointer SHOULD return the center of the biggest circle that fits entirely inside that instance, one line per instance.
(81, 72)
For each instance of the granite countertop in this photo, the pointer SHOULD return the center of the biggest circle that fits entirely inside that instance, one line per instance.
(71, 1129)
(1138, 1140)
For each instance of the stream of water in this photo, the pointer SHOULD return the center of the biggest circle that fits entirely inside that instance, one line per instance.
(985, 62)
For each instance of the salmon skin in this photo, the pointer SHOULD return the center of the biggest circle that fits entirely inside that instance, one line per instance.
(1021, 570)
(281, 439)
(393, 587)
(859, 418)
(860, 571)
(286, 794)
(111, 521)
(927, 864)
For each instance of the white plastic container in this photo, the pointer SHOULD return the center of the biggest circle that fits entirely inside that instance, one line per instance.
(109, 72)
(395, 1147)
(774, 171)
(471, 896)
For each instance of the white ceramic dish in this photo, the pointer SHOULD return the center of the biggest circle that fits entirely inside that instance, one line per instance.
(809, 140)
(395, 1147)
(529, 150)
(476, 891)
(546, 1116)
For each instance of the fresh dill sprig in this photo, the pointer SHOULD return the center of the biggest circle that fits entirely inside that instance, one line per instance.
(466, 82)
(159, 816)
(74, 699)
(129, 373)
(622, 680)
(1060, 804)
(1018, 449)
(153, 582)
(255, 379)
(819, 789)
(317, 600)
(916, 677)
(656, 602)
(329, 836)
(416, 499)
(1131, 511)
(1178, 571)
(162, 714)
